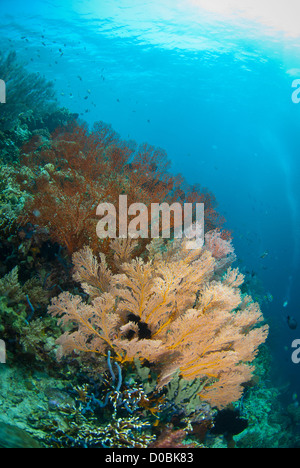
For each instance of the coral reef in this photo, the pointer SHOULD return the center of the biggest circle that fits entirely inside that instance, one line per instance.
(269, 423)
(170, 312)
(26, 92)
(161, 345)
(12, 200)
(171, 438)
(30, 109)
(72, 172)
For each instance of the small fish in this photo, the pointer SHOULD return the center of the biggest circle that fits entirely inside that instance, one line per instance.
(268, 297)
(265, 254)
(292, 322)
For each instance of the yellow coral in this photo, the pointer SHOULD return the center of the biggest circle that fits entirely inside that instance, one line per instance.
(170, 311)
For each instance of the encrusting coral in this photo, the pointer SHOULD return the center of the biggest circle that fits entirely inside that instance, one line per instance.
(173, 312)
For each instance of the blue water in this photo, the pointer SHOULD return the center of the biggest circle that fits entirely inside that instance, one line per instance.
(213, 91)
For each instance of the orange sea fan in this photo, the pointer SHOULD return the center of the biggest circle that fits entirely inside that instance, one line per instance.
(172, 313)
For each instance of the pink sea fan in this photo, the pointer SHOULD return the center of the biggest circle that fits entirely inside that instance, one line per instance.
(218, 246)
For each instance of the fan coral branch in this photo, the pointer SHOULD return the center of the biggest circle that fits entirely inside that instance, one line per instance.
(173, 312)
(69, 175)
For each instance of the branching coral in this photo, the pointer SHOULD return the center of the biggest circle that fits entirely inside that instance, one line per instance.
(18, 307)
(120, 433)
(31, 292)
(12, 199)
(171, 312)
(110, 414)
(26, 92)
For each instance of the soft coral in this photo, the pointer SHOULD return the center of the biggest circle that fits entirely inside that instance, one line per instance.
(77, 169)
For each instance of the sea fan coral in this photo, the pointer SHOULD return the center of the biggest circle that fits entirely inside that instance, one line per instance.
(170, 312)
(69, 175)
(218, 246)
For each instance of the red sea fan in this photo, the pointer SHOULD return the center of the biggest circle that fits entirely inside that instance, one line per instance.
(69, 175)
(171, 438)
(217, 245)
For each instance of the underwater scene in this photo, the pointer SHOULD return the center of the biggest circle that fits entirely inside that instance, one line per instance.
(150, 226)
